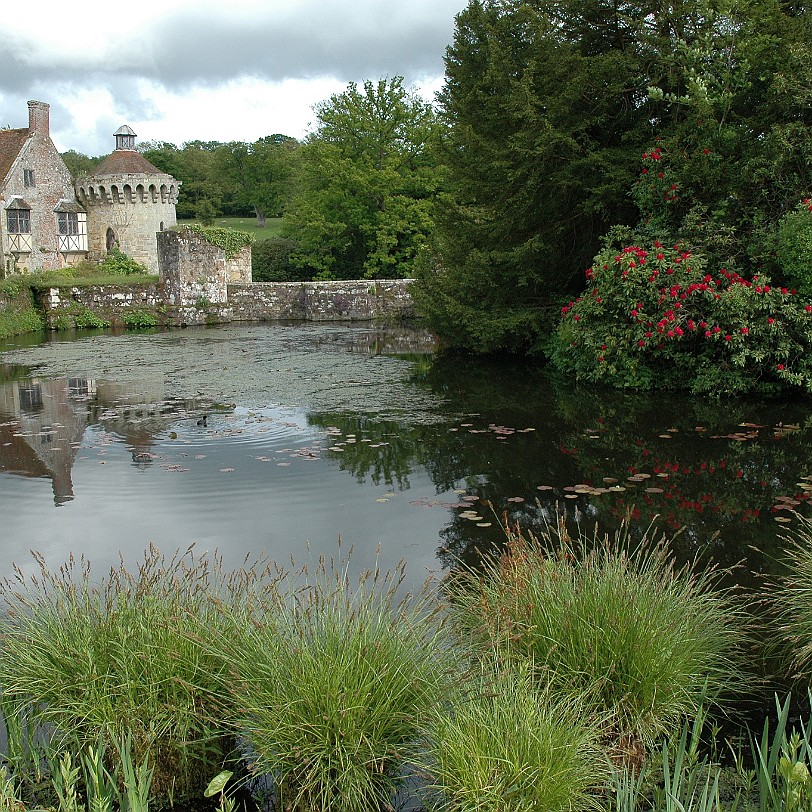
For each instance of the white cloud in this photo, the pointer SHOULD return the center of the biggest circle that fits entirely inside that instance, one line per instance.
(183, 70)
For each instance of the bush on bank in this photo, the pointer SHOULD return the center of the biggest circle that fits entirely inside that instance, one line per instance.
(654, 316)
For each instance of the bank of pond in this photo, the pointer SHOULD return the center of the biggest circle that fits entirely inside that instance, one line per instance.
(563, 672)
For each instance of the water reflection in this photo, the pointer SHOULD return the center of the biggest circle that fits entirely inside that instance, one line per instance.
(283, 438)
(43, 422)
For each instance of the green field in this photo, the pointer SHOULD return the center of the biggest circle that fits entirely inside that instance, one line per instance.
(248, 224)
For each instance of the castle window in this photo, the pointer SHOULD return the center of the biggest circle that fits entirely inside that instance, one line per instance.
(19, 221)
(18, 226)
(28, 178)
(71, 222)
(68, 223)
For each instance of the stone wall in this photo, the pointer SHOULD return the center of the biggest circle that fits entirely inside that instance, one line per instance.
(112, 304)
(354, 300)
(195, 277)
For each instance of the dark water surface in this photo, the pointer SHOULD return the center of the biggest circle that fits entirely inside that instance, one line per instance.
(281, 438)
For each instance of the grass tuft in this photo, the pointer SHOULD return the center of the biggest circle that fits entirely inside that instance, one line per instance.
(95, 663)
(505, 744)
(646, 643)
(332, 684)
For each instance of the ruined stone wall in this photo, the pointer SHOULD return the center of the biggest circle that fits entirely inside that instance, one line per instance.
(353, 300)
(114, 305)
(239, 267)
(194, 275)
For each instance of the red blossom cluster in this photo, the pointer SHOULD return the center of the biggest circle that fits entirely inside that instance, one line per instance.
(663, 313)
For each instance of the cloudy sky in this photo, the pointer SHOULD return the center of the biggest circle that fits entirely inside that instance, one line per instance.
(233, 70)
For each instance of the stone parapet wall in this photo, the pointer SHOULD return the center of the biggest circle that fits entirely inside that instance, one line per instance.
(353, 300)
(108, 303)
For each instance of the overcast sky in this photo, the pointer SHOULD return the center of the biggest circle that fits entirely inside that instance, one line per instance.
(230, 70)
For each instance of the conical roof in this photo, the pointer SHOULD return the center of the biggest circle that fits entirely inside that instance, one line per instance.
(126, 162)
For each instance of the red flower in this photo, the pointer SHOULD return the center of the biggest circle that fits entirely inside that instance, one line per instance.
(780, 367)
(728, 337)
(641, 343)
(744, 331)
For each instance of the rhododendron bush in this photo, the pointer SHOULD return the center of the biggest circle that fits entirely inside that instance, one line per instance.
(655, 316)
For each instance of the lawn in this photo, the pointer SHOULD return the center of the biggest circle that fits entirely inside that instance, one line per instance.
(248, 224)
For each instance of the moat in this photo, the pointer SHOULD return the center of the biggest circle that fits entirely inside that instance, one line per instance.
(284, 438)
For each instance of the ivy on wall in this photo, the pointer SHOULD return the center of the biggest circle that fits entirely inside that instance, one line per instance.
(231, 241)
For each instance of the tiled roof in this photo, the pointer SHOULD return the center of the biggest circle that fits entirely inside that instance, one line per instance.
(11, 142)
(125, 162)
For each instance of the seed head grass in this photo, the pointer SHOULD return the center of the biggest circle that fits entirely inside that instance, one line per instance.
(644, 641)
(506, 744)
(791, 599)
(94, 661)
(331, 689)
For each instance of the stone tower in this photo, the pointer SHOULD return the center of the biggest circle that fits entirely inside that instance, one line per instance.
(128, 201)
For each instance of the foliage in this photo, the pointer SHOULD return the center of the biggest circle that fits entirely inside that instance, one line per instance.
(794, 247)
(503, 744)
(93, 663)
(140, 319)
(367, 178)
(549, 107)
(116, 262)
(84, 318)
(19, 315)
(654, 317)
(331, 686)
(537, 164)
(271, 261)
(79, 164)
(195, 165)
(263, 173)
(645, 642)
(230, 240)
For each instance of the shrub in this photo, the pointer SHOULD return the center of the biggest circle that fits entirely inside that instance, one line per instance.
(655, 318)
(271, 261)
(794, 247)
(331, 687)
(140, 319)
(118, 263)
(507, 745)
(100, 663)
(646, 642)
(229, 239)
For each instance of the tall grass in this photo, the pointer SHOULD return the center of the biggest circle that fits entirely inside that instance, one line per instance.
(791, 598)
(87, 663)
(332, 684)
(505, 744)
(617, 622)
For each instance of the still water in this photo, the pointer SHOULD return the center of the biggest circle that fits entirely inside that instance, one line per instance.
(282, 439)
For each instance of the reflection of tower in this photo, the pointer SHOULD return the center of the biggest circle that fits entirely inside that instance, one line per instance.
(128, 201)
(45, 430)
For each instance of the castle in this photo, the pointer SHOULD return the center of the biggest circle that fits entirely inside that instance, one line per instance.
(46, 224)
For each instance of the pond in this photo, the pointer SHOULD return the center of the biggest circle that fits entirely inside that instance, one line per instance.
(305, 440)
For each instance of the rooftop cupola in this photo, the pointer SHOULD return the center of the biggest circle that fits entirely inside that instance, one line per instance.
(125, 138)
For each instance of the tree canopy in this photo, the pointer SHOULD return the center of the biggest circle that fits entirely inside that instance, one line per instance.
(367, 177)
